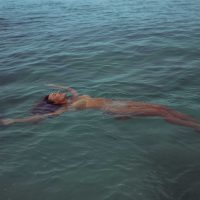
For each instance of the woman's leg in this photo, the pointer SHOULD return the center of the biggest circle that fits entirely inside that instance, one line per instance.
(168, 114)
(178, 118)
(171, 116)
(178, 121)
(180, 115)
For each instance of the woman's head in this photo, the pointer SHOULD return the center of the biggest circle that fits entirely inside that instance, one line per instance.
(50, 103)
(56, 98)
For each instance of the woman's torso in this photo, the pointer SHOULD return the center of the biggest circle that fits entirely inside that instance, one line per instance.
(91, 102)
(106, 104)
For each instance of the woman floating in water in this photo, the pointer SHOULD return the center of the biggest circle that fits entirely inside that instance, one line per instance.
(57, 103)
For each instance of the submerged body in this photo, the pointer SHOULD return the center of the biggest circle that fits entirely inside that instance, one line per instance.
(116, 107)
(134, 108)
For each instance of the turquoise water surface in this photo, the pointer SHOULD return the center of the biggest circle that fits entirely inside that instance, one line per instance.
(124, 49)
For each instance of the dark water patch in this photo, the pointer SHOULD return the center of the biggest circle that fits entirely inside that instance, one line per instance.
(13, 75)
(14, 137)
(7, 78)
(4, 24)
(175, 169)
(21, 55)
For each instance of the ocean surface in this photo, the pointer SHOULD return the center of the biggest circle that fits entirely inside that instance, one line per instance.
(145, 50)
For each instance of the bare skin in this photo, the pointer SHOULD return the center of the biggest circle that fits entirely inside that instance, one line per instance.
(118, 108)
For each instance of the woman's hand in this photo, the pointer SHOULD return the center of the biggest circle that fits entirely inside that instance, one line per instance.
(6, 122)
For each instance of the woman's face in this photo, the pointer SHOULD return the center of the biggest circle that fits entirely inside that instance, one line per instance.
(58, 98)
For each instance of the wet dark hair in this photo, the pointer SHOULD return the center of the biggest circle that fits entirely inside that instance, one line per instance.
(45, 106)
(46, 98)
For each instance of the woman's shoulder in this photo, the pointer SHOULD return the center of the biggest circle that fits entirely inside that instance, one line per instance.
(84, 97)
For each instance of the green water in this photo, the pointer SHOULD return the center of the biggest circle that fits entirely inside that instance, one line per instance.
(139, 50)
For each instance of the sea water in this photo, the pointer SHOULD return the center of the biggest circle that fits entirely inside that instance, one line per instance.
(144, 50)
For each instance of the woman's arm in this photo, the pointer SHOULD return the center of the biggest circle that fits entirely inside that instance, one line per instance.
(35, 118)
(74, 93)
